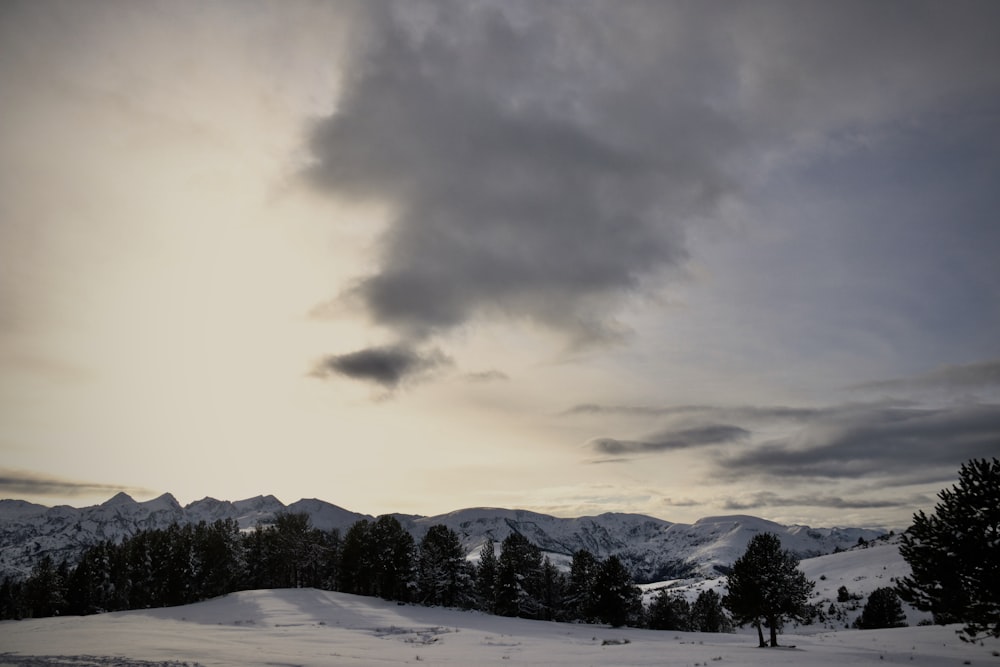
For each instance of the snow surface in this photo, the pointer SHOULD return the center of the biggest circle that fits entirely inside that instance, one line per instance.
(311, 627)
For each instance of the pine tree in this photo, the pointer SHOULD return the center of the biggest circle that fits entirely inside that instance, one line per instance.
(443, 577)
(766, 587)
(580, 596)
(519, 575)
(617, 599)
(669, 612)
(486, 577)
(882, 610)
(356, 571)
(44, 592)
(552, 592)
(392, 553)
(954, 553)
(707, 613)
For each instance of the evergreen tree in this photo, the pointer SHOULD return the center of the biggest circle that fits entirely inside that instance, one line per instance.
(766, 587)
(44, 592)
(519, 575)
(669, 612)
(552, 592)
(330, 561)
(882, 610)
(707, 613)
(443, 575)
(486, 578)
(618, 600)
(217, 550)
(10, 600)
(580, 596)
(954, 553)
(261, 559)
(296, 556)
(356, 571)
(392, 553)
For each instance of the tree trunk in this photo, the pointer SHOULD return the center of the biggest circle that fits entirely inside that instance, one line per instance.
(760, 634)
(772, 625)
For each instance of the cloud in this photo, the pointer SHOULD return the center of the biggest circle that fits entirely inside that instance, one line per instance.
(976, 375)
(527, 182)
(27, 483)
(386, 366)
(770, 499)
(872, 441)
(702, 436)
(538, 171)
(720, 412)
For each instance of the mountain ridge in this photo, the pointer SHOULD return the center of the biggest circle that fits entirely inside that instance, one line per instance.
(653, 548)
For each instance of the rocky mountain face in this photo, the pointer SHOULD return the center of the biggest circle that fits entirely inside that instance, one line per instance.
(654, 549)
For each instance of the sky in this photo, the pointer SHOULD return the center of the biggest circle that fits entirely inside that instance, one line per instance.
(677, 258)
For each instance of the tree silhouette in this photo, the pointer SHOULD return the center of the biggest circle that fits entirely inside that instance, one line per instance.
(766, 587)
(954, 553)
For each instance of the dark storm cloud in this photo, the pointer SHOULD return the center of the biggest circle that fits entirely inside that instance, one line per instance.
(32, 484)
(544, 161)
(387, 366)
(859, 441)
(978, 375)
(672, 440)
(524, 189)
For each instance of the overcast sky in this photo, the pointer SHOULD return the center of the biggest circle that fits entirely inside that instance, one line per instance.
(677, 258)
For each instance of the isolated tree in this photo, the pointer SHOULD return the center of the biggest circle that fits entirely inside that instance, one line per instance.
(766, 587)
(954, 553)
(882, 610)
(616, 597)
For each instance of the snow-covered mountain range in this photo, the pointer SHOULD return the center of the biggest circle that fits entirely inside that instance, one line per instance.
(653, 548)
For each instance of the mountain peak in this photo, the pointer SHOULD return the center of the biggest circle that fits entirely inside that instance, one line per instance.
(120, 498)
(163, 502)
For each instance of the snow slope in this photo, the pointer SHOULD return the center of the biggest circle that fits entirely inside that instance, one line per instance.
(861, 570)
(310, 628)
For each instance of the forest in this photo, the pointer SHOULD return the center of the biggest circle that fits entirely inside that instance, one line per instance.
(193, 562)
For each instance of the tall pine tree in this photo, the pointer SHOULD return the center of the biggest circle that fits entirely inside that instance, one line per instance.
(954, 553)
(766, 587)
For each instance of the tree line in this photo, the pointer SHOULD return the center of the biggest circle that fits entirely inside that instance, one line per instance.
(189, 563)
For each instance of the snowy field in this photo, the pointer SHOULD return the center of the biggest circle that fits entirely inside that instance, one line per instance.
(312, 627)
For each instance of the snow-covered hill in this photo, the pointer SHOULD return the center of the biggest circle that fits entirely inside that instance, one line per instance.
(653, 548)
(311, 627)
(860, 570)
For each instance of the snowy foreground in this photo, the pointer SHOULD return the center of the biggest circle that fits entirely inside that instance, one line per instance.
(312, 627)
